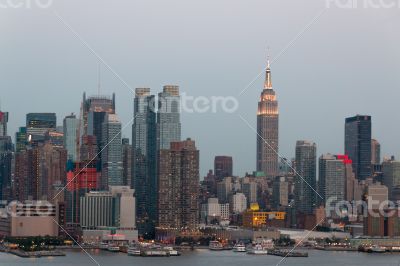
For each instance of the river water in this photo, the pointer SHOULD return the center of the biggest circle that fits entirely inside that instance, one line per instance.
(207, 258)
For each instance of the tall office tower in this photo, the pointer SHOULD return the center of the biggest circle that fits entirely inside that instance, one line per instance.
(375, 152)
(95, 104)
(6, 162)
(178, 186)
(70, 128)
(352, 187)
(357, 144)
(168, 117)
(93, 113)
(223, 166)
(332, 179)
(144, 145)
(3, 123)
(280, 192)
(391, 178)
(127, 162)
(224, 188)
(37, 124)
(82, 177)
(268, 129)
(111, 174)
(305, 178)
(20, 139)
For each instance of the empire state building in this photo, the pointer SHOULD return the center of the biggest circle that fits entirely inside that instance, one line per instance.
(268, 129)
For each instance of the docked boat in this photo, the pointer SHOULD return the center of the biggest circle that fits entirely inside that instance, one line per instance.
(258, 250)
(376, 249)
(287, 253)
(240, 247)
(113, 248)
(103, 246)
(215, 246)
(133, 251)
(155, 253)
(172, 251)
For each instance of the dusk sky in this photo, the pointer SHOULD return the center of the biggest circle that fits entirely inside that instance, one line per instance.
(344, 61)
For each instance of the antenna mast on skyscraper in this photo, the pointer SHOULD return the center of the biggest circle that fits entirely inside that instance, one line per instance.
(98, 79)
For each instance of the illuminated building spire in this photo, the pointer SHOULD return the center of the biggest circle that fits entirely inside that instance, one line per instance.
(268, 81)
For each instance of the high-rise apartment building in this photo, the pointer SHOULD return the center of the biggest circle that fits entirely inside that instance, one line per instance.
(111, 153)
(332, 179)
(168, 117)
(70, 128)
(268, 129)
(305, 176)
(223, 166)
(358, 144)
(144, 146)
(40, 173)
(178, 186)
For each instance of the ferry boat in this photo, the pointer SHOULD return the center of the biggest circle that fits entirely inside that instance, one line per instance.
(215, 246)
(258, 250)
(239, 247)
(113, 248)
(155, 253)
(133, 251)
(172, 251)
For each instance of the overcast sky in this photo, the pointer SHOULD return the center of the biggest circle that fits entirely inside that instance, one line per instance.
(343, 62)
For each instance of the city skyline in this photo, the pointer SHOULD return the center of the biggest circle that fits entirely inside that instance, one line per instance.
(301, 72)
(154, 129)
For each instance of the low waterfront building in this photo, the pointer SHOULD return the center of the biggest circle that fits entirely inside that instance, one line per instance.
(234, 233)
(97, 236)
(254, 218)
(31, 218)
(113, 208)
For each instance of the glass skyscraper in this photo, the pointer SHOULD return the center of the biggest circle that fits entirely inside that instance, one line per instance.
(70, 126)
(111, 174)
(332, 179)
(168, 117)
(357, 144)
(144, 145)
(305, 176)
